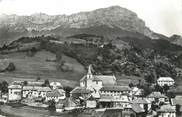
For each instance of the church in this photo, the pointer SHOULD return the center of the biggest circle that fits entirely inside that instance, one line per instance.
(96, 82)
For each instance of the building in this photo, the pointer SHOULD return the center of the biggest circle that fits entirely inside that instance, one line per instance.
(166, 111)
(81, 93)
(56, 85)
(14, 92)
(91, 102)
(35, 91)
(165, 80)
(115, 90)
(120, 101)
(177, 101)
(70, 104)
(96, 82)
(56, 95)
(141, 102)
(137, 111)
(136, 92)
(158, 97)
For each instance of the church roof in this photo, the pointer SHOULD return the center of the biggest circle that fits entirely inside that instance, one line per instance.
(106, 79)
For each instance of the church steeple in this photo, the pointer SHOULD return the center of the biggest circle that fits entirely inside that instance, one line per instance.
(89, 73)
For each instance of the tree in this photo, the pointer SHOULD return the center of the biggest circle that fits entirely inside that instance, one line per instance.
(68, 90)
(150, 78)
(166, 88)
(4, 87)
(146, 108)
(178, 109)
(46, 83)
(25, 83)
(52, 105)
(11, 67)
(158, 88)
(38, 78)
(131, 84)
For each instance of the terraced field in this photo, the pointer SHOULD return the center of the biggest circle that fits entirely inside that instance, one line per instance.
(37, 66)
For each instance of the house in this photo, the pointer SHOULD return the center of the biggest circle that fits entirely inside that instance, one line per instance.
(56, 95)
(35, 91)
(60, 106)
(158, 97)
(177, 101)
(96, 82)
(135, 111)
(70, 104)
(120, 101)
(165, 80)
(91, 102)
(14, 92)
(81, 93)
(111, 112)
(115, 90)
(166, 111)
(56, 85)
(136, 92)
(141, 102)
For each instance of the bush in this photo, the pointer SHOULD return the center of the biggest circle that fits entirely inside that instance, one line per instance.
(11, 67)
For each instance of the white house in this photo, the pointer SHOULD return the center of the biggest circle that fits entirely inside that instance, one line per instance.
(56, 85)
(166, 111)
(56, 95)
(96, 82)
(35, 91)
(115, 90)
(14, 92)
(165, 80)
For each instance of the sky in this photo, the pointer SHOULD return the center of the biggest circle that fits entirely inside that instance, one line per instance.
(161, 16)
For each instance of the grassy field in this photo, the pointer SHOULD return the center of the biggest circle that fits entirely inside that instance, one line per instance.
(37, 66)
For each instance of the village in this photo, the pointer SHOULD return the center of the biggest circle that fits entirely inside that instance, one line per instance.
(101, 94)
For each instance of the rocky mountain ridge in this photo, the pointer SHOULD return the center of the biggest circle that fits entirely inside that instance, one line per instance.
(37, 24)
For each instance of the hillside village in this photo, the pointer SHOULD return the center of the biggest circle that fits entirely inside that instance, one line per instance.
(103, 63)
(98, 96)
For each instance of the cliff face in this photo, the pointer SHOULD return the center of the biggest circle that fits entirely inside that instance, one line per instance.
(112, 17)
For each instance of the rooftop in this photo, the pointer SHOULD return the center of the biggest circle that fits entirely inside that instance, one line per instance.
(177, 100)
(108, 98)
(55, 93)
(136, 108)
(167, 108)
(14, 86)
(156, 95)
(141, 101)
(38, 88)
(165, 79)
(80, 90)
(115, 88)
(106, 79)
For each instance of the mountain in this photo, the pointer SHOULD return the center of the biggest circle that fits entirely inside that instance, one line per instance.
(111, 21)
